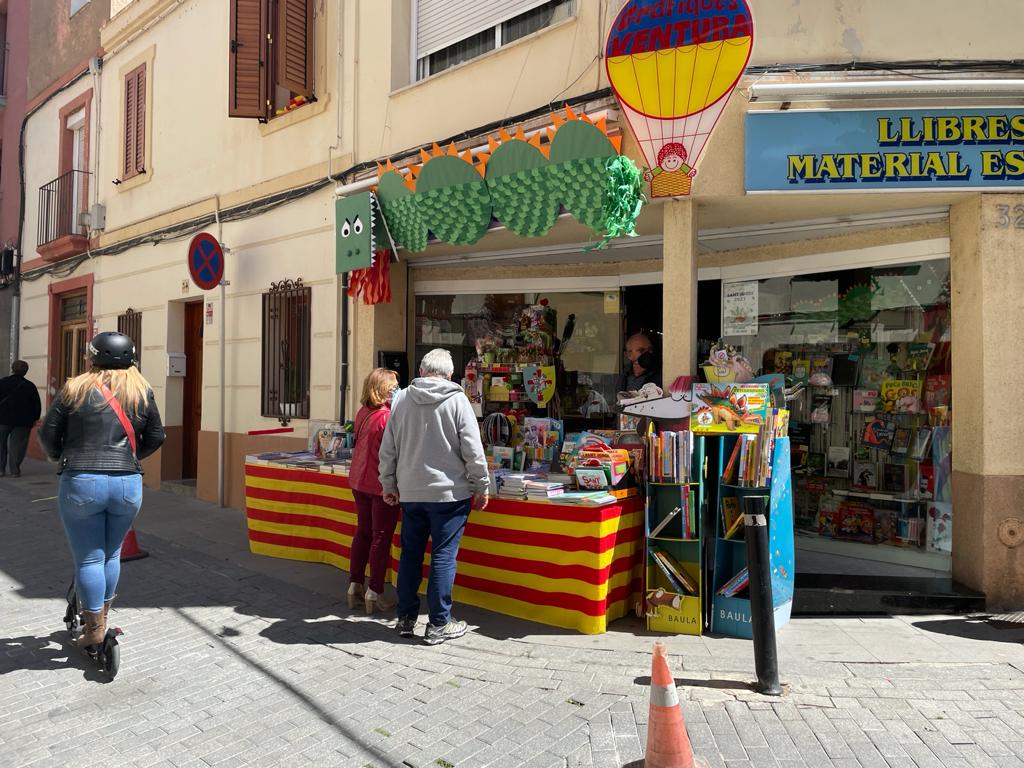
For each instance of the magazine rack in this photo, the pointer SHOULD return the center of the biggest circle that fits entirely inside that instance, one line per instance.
(731, 615)
(668, 605)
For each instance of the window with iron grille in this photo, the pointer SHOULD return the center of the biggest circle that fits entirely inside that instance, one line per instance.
(287, 329)
(130, 324)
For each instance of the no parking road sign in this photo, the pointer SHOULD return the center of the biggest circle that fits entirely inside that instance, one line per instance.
(205, 261)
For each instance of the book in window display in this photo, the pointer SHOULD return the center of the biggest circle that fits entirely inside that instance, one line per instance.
(865, 475)
(936, 390)
(919, 356)
(816, 464)
(838, 461)
(878, 433)
(854, 521)
(901, 441)
(865, 400)
(873, 371)
(821, 408)
(844, 370)
(901, 396)
(894, 478)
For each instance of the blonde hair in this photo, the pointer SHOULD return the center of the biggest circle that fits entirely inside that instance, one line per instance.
(128, 386)
(377, 387)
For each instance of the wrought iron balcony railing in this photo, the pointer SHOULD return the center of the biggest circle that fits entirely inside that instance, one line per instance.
(60, 202)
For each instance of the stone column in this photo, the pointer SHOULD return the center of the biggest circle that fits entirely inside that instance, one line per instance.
(679, 289)
(986, 251)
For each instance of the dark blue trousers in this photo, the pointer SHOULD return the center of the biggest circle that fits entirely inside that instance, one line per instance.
(443, 523)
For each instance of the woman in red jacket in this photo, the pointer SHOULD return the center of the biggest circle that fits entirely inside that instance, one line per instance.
(376, 520)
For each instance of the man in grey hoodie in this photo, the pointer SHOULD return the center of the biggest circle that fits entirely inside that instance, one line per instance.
(432, 461)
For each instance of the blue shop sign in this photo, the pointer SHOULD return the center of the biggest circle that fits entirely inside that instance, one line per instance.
(855, 150)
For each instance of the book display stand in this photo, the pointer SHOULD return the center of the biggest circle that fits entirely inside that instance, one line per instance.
(730, 604)
(674, 544)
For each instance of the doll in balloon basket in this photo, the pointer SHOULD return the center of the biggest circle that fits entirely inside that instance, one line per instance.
(673, 176)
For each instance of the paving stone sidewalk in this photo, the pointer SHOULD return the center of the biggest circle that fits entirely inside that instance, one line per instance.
(235, 660)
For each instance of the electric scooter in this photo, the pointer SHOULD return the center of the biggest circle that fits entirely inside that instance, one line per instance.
(107, 655)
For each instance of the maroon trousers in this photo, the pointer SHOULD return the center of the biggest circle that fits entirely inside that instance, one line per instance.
(372, 543)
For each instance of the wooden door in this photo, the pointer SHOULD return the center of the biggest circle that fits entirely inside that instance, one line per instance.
(192, 405)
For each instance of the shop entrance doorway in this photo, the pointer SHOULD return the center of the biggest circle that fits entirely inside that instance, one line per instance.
(192, 395)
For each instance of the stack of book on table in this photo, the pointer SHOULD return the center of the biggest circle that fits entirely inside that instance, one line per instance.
(513, 484)
(543, 489)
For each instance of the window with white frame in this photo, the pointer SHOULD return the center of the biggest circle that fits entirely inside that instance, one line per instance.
(449, 32)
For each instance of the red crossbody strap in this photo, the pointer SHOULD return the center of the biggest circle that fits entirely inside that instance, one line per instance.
(121, 416)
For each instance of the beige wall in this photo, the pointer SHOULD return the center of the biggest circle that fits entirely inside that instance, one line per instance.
(197, 150)
(988, 358)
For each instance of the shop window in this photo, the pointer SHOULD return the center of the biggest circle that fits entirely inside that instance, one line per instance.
(271, 57)
(869, 432)
(449, 32)
(501, 335)
(287, 331)
(130, 324)
(73, 336)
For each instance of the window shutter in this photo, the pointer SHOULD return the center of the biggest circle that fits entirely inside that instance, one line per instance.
(130, 100)
(247, 73)
(140, 120)
(440, 23)
(295, 46)
(134, 161)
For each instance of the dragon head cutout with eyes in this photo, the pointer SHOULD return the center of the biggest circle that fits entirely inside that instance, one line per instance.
(360, 232)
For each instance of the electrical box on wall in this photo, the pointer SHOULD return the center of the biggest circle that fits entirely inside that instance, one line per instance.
(175, 363)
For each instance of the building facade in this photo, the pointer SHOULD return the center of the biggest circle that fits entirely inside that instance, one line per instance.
(281, 106)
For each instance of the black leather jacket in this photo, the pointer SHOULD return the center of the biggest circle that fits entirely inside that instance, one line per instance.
(92, 439)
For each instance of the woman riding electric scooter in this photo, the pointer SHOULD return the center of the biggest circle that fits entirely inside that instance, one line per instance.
(99, 427)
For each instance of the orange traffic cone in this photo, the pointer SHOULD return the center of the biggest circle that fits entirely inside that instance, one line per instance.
(130, 549)
(668, 746)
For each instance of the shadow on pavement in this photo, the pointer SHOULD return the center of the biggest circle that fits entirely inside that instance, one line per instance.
(53, 652)
(975, 628)
(685, 682)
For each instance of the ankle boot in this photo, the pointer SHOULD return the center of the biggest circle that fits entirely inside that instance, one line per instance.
(94, 624)
(355, 594)
(375, 601)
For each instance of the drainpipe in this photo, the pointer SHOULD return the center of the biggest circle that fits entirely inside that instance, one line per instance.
(343, 349)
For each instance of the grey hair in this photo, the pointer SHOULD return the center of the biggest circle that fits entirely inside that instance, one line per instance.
(437, 362)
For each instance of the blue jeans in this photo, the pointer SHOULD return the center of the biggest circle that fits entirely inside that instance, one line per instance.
(97, 509)
(443, 523)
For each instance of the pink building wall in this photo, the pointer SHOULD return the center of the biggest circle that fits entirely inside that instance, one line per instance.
(11, 116)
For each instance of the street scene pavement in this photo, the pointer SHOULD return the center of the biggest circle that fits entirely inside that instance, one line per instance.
(229, 659)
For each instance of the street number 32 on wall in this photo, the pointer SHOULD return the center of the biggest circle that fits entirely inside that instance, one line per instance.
(1007, 216)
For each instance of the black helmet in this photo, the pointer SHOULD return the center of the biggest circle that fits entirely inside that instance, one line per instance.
(111, 349)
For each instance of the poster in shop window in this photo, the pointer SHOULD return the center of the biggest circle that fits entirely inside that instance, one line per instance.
(739, 309)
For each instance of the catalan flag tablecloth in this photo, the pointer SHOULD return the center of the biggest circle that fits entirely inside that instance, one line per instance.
(566, 566)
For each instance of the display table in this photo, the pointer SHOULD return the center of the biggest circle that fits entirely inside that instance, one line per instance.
(570, 566)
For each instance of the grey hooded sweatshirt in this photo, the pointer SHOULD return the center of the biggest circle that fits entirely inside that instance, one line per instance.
(431, 450)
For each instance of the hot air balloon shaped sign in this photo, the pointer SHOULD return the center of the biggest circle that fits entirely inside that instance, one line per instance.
(673, 65)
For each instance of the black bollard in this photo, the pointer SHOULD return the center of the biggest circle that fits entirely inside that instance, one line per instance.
(762, 611)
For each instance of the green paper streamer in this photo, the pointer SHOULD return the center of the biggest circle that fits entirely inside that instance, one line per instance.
(623, 200)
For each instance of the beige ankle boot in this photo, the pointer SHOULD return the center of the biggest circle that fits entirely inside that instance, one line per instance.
(355, 594)
(94, 624)
(375, 601)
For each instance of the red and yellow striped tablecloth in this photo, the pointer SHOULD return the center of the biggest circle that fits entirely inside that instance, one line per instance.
(563, 565)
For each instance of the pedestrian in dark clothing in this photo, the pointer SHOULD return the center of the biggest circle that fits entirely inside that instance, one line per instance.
(19, 411)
